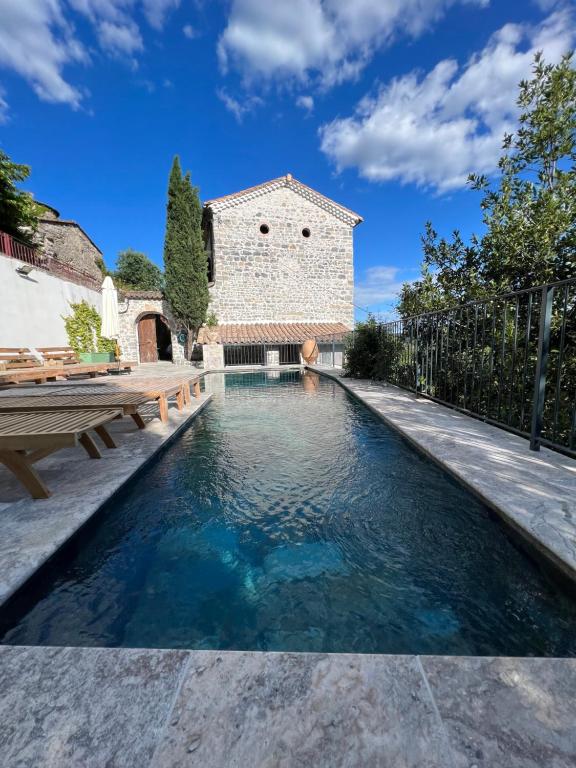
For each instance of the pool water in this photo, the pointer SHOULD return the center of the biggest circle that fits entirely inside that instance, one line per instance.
(288, 517)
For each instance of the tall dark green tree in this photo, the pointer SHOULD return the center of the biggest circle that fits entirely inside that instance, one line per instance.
(185, 266)
(18, 211)
(135, 270)
(529, 209)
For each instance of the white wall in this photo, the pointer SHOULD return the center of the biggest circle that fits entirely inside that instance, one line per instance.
(31, 308)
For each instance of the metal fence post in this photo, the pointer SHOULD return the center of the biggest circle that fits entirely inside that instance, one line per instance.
(541, 366)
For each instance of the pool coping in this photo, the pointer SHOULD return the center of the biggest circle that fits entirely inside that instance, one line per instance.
(533, 492)
(34, 531)
(63, 707)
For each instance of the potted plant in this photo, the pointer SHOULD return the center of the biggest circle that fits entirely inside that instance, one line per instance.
(211, 334)
(83, 329)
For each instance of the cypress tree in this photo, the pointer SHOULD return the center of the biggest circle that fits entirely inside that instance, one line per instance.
(185, 267)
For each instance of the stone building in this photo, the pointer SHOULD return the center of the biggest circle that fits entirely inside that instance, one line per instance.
(148, 331)
(281, 270)
(67, 244)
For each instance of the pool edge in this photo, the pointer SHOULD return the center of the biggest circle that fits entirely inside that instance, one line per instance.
(563, 560)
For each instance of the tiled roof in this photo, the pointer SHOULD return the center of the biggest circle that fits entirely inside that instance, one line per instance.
(136, 294)
(274, 333)
(228, 201)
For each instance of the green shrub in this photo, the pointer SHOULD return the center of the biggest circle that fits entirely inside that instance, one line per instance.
(83, 329)
(371, 352)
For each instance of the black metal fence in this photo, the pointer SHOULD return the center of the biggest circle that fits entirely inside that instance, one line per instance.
(248, 355)
(510, 360)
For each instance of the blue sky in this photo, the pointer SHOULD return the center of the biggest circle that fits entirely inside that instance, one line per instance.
(384, 105)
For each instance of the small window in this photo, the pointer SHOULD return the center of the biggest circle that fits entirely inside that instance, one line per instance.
(305, 232)
(264, 228)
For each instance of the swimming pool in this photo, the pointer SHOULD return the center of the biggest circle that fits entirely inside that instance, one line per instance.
(288, 517)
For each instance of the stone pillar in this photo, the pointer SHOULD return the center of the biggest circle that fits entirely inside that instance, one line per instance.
(213, 355)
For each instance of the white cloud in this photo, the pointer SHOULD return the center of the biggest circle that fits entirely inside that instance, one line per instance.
(190, 32)
(433, 130)
(305, 102)
(157, 10)
(239, 108)
(3, 108)
(38, 39)
(329, 39)
(120, 38)
(37, 42)
(379, 286)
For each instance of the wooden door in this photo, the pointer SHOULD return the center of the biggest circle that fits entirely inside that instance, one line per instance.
(147, 339)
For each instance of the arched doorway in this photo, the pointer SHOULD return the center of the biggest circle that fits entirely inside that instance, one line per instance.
(154, 338)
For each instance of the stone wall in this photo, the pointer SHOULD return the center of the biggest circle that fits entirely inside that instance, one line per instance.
(68, 244)
(130, 311)
(281, 276)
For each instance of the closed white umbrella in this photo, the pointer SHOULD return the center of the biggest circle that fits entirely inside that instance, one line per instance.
(110, 323)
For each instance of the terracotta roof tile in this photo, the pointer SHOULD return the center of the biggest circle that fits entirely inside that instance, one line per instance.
(273, 333)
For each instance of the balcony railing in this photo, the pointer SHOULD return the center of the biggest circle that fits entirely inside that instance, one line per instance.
(17, 249)
(509, 360)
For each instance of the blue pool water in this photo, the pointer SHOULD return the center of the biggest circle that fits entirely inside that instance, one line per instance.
(287, 517)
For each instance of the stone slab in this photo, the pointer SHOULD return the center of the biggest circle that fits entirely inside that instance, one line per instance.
(290, 710)
(84, 708)
(33, 530)
(535, 492)
(506, 713)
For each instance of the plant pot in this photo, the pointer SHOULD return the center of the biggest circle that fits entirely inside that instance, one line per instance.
(96, 357)
(211, 335)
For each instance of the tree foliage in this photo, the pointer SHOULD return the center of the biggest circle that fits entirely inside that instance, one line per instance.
(185, 265)
(529, 212)
(136, 270)
(18, 211)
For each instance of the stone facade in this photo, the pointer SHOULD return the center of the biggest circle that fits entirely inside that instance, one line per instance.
(130, 310)
(67, 243)
(281, 276)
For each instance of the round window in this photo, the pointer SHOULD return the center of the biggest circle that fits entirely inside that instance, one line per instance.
(264, 228)
(305, 232)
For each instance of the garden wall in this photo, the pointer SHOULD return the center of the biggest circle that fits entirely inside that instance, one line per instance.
(31, 307)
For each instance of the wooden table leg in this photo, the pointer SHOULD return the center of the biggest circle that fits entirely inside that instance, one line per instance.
(163, 403)
(90, 446)
(19, 465)
(186, 391)
(196, 388)
(180, 399)
(105, 436)
(138, 420)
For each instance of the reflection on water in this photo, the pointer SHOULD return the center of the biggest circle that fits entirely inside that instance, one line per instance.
(282, 521)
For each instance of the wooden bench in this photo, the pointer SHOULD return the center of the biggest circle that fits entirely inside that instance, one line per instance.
(25, 438)
(38, 375)
(12, 358)
(128, 401)
(58, 355)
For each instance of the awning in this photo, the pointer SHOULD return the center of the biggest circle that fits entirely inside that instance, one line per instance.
(273, 333)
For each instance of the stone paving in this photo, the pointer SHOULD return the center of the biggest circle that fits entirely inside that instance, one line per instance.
(535, 492)
(120, 708)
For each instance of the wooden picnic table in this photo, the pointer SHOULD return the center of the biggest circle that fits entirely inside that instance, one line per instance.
(27, 437)
(39, 400)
